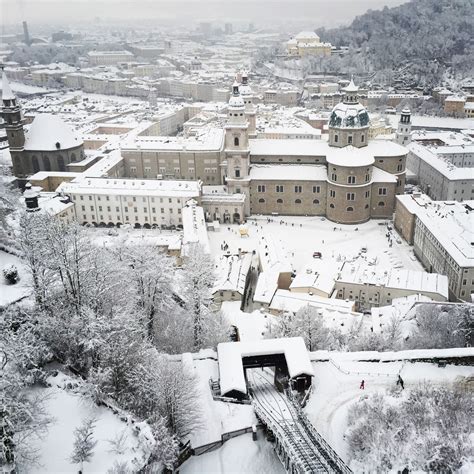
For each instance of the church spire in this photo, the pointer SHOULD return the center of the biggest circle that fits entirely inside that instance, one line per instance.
(7, 93)
(351, 93)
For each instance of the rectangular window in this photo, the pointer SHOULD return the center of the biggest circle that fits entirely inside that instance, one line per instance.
(153, 210)
(350, 196)
(83, 208)
(279, 188)
(316, 189)
(100, 208)
(261, 188)
(237, 173)
(145, 209)
(382, 191)
(135, 209)
(92, 208)
(367, 194)
(298, 189)
(332, 193)
(351, 179)
(334, 176)
(349, 140)
(117, 209)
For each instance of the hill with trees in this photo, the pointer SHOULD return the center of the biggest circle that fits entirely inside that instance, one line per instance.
(418, 41)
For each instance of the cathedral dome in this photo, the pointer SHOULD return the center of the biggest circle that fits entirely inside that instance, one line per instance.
(349, 116)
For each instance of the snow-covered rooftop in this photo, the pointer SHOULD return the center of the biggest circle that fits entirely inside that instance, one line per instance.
(450, 222)
(7, 93)
(285, 300)
(230, 354)
(132, 187)
(445, 167)
(232, 273)
(46, 131)
(194, 226)
(421, 282)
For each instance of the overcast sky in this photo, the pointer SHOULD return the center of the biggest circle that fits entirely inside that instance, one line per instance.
(317, 12)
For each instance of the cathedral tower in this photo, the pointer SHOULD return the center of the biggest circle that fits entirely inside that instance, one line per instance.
(403, 135)
(237, 152)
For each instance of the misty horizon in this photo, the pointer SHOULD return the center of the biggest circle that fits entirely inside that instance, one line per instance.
(316, 13)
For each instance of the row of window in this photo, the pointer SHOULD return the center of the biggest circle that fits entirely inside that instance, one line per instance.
(279, 188)
(127, 218)
(135, 209)
(316, 201)
(280, 201)
(350, 179)
(129, 198)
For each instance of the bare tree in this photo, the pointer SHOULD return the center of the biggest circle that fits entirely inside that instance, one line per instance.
(198, 281)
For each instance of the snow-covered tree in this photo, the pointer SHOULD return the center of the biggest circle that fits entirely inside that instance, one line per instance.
(198, 280)
(84, 443)
(23, 416)
(308, 323)
(148, 273)
(427, 430)
(442, 326)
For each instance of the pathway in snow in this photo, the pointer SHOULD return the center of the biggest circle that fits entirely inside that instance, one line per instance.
(335, 391)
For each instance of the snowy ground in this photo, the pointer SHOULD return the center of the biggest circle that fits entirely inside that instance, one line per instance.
(238, 455)
(335, 391)
(68, 411)
(301, 236)
(218, 417)
(12, 293)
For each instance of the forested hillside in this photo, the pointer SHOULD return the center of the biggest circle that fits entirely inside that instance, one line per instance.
(425, 38)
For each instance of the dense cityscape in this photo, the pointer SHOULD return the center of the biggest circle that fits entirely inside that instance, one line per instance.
(234, 242)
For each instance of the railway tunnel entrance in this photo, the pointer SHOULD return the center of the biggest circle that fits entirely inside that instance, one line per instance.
(288, 357)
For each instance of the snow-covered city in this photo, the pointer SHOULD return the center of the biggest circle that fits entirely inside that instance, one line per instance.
(236, 237)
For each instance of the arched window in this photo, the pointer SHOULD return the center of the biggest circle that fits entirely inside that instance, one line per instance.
(47, 164)
(280, 201)
(236, 141)
(297, 201)
(261, 200)
(315, 201)
(381, 204)
(366, 206)
(331, 206)
(35, 164)
(61, 166)
(349, 209)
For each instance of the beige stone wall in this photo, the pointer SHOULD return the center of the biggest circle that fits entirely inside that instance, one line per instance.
(288, 206)
(382, 205)
(367, 296)
(288, 159)
(339, 207)
(30, 162)
(359, 137)
(174, 165)
(404, 221)
(395, 165)
(51, 183)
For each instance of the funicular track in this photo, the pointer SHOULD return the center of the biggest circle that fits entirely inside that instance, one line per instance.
(299, 446)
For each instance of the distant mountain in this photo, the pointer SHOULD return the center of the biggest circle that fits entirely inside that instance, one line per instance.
(424, 37)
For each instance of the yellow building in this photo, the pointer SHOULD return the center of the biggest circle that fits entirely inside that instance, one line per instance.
(307, 43)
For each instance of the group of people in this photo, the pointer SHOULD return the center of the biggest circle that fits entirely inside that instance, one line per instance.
(399, 382)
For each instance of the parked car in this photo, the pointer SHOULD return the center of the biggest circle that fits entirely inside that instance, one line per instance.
(317, 254)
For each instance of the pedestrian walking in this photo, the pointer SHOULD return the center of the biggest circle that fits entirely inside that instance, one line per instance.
(401, 382)
(362, 385)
